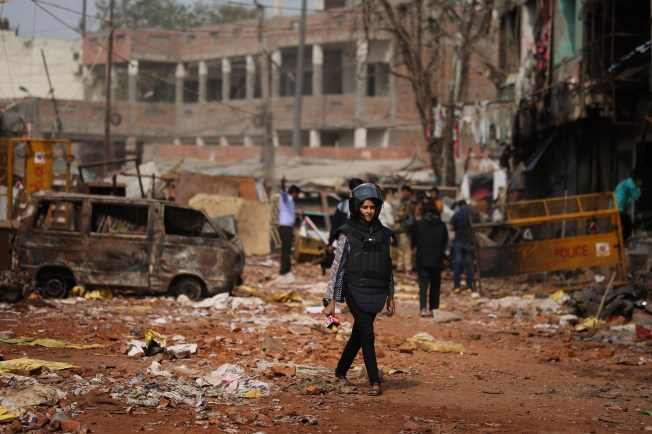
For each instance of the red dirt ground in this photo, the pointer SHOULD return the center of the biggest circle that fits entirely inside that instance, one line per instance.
(512, 378)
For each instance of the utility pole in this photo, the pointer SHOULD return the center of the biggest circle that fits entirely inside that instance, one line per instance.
(267, 156)
(57, 122)
(298, 91)
(83, 23)
(109, 67)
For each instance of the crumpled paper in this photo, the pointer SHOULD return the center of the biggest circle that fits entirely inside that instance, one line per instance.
(232, 379)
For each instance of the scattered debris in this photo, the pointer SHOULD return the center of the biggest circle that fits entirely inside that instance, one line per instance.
(426, 342)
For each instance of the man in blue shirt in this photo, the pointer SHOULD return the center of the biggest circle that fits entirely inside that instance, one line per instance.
(627, 191)
(461, 252)
(286, 218)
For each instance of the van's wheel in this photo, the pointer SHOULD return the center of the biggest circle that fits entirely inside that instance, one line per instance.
(55, 287)
(189, 287)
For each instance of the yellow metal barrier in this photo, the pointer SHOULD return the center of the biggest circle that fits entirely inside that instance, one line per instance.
(39, 170)
(553, 234)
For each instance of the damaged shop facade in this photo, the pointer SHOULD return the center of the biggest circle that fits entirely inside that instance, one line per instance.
(578, 73)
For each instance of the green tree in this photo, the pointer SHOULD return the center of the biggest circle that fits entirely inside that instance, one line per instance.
(169, 14)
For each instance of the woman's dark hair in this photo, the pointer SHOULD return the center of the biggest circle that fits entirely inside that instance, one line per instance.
(430, 213)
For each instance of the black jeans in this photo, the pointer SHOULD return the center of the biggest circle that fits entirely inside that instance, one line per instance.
(286, 234)
(626, 224)
(429, 276)
(362, 336)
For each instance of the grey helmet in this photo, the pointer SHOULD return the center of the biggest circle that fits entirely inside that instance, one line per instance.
(362, 193)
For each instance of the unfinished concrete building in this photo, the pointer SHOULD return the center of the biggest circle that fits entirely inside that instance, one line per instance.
(579, 73)
(211, 83)
(200, 92)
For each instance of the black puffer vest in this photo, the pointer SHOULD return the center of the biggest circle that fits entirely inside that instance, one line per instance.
(369, 264)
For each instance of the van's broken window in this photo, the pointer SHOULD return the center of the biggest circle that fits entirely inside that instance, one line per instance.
(187, 222)
(59, 215)
(119, 219)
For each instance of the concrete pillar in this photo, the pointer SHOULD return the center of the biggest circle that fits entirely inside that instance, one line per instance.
(226, 79)
(247, 141)
(277, 10)
(319, 5)
(114, 81)
(178, 91)
(251, 77)
(275, 141)
(360, 138)
(361, 52)
(132, 74)
(317, 69)
(277, 61)
(203, 81)
(88, 79)
(315, 139)
(385, 139)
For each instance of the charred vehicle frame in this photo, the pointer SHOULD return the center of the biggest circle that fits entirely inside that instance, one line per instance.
(140, 245)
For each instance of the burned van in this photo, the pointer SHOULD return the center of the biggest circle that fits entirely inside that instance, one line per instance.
(135, 245)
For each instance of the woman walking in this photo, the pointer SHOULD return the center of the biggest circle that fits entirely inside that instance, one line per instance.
(361, 275)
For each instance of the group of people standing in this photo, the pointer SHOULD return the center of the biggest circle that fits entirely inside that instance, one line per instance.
(420, 230)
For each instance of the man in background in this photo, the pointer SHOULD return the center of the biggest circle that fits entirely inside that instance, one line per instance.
(433, 194)
(286, 218)
(627, 191)
(459, 223)
(404, 221)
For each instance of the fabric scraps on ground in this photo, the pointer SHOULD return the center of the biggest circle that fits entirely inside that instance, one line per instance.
(152, 338)
(407, 292)
(322, 385)
(7, 415)
(31, 366)
(426, 342)
(96, 294)
(232, 379)
(642, 333)
(33, 396)
(590, 323)
(221, 301)
(49, 343)
(290, 297)
(244, 291)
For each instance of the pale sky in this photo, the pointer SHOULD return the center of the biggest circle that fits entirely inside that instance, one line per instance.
(32, 20)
